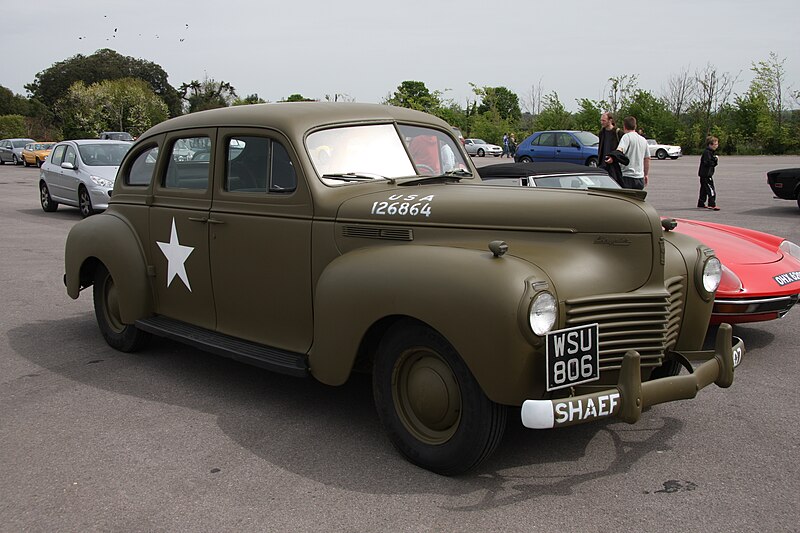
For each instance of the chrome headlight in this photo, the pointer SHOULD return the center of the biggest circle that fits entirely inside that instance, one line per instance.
(712, 274)
(543, 313)
(101, 182)
(788, 247)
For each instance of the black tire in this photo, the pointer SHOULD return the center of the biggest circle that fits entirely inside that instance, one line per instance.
(591, 162)
(798, 201)
(667, 369)
(118, 335)
(25, 162)
(85, 202)
(525, 159)
(14, 159)
(661, 153)
(453, 426)
(481, 153)
(39, 162)
(48, 205)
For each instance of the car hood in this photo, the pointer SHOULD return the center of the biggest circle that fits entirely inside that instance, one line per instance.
(733, 246)
(490, 206)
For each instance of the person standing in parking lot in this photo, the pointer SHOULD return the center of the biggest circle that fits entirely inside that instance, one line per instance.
(505, 146)
(708, 162)
(634, 147)
(609, 136)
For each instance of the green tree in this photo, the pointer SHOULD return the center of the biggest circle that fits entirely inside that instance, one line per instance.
(12, 126)
(249, 99)
(770, 82)
(51, 84)
(206, 94)
(554, 116)
(652, 116)
(298, 98)
(117, 105)
(415, 95)
(499, 99)
(588, 116)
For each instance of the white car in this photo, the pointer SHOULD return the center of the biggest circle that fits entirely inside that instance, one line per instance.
(481, 148)
(663, 151)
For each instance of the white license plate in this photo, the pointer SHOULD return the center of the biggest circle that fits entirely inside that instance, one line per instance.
(573, 356)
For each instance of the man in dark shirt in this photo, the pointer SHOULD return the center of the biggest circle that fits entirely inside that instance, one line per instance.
(609, 140)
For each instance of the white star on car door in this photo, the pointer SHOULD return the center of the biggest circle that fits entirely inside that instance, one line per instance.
(176, 255)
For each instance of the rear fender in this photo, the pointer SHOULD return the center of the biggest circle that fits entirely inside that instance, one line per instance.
(478, 302)
(109, 240)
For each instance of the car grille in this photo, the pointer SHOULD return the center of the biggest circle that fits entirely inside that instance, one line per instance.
(647, 323)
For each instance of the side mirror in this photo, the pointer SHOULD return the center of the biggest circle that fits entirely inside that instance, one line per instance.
(68, 165)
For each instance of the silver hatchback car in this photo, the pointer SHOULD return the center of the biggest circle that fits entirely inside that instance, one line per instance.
(81, 174)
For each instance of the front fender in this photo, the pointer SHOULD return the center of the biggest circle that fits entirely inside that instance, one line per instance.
(108, 239)
(475, 300)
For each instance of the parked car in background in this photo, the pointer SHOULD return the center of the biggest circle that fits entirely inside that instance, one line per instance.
(564, 146)
(11, 150)
(760, 272)
(116, 135)
(785, 183)
(663, 151)
(81, 174)
(481, 148)
(35, 153)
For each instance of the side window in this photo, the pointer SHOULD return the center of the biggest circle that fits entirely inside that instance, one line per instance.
(284, 178)
(71, 156)
(141, 171)
(183, 170)
(58, 154)
(258, 165)
(564, 139)
(547, 139)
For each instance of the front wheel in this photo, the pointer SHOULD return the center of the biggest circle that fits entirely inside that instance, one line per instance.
(431, 406)
(525, 159)
(85, 202)
(118, 335)
(15, 159)
(481, 153)
(48, 205)
(661, 153)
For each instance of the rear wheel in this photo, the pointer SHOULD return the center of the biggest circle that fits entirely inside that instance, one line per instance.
(525, 159)
(591, 162)
(25, 162)
(118, 335)
(15, 159)
(481, 153)
(433, 409)
(85, 202)
(661, 153)
(39, 162)
(48, 205)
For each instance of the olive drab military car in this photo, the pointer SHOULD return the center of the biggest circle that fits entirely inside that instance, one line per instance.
(322, 239)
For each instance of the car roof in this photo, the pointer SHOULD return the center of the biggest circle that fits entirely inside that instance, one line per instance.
(519, 170)
(82, 142)
(295, 117)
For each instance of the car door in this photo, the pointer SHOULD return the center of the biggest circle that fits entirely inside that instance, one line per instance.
(179, 232)
(5, 151)
(543, 147)
(63, 182)
(568, 148)
(260, 239)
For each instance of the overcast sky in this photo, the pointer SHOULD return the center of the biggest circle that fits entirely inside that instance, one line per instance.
(366, 48)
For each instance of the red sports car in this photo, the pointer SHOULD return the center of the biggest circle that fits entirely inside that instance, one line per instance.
(760, 272)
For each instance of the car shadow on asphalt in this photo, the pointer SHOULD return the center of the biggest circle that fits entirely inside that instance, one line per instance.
(331, 434)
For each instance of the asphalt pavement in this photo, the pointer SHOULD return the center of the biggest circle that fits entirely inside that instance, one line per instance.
(171, 439)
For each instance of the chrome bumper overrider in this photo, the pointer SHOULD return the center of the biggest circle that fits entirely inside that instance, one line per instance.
(630, 396)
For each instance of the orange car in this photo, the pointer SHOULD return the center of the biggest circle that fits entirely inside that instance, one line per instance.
(36, 153)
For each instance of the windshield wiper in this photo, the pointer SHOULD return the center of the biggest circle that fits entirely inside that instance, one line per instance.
(451, 175)
(354, 176)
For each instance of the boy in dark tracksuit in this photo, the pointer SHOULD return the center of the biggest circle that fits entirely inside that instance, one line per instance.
(708, 161)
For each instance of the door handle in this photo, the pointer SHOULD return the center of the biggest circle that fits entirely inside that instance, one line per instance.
(206, 220)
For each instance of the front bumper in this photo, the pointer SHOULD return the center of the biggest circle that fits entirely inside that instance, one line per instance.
(630, 396)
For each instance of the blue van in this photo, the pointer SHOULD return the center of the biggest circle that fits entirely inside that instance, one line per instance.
(562, 146)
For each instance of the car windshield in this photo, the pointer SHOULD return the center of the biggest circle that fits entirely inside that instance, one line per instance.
(362, 153)
(103, 154)
(20, 144)
(587, 138)
(575, 181)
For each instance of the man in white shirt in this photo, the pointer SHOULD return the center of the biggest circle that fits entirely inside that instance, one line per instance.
(634, 147)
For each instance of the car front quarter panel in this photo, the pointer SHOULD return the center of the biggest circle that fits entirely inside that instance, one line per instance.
(109, 240)
(475, 300)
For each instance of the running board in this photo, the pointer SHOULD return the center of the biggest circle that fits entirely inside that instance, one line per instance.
(248, 352)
